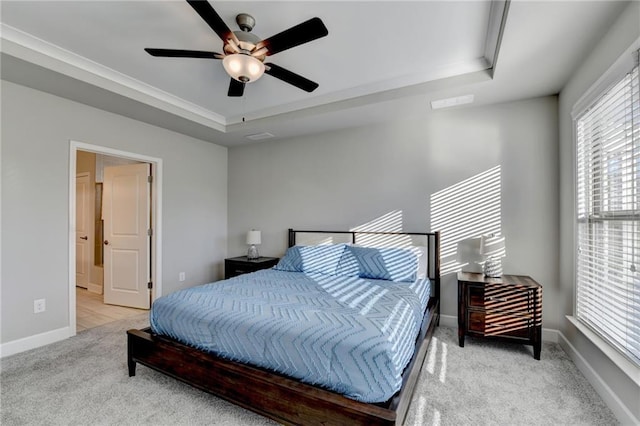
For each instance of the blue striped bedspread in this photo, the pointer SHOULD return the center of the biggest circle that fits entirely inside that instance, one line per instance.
(350, 335)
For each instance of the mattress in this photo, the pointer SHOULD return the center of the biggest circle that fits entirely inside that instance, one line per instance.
(350, 335)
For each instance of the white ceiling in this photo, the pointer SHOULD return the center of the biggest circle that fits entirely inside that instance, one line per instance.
(381, 60)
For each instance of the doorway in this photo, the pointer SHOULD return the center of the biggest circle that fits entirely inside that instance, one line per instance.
(91, 311)
(86, 307)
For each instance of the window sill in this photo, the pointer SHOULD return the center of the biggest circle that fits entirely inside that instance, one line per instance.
(617, 358)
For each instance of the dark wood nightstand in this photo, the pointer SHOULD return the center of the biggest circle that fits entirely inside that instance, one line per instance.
(235, 266)
(508, 308)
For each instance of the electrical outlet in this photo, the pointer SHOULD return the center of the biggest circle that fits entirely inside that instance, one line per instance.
(39, 306)
(182, 276)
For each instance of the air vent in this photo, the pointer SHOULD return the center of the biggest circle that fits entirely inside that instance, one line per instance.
(260, 136)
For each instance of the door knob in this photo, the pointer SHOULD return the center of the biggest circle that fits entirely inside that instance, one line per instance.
(106, 242)
(84, 238)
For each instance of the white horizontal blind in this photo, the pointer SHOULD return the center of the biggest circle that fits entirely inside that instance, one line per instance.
(608, 216)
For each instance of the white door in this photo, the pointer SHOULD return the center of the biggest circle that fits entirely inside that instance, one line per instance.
(83, 237)
(126, 215)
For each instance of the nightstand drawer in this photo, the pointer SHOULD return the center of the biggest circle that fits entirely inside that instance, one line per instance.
(476, 296)
(239, 269)
(499, 324)
(241, 265)
(497, 297)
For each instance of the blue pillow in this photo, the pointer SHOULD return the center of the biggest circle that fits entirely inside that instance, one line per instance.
(385, 263)
(348, 265)
(321, 259)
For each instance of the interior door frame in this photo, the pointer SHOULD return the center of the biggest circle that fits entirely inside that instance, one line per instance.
(156, 218)
(90, 241)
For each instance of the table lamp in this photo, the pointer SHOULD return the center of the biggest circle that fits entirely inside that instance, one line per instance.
(253, 238)
(493, 248)
(468, 253)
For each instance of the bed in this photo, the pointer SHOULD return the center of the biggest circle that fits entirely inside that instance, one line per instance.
(191, 346)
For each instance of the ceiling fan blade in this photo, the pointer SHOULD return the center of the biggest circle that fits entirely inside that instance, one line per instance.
(290, 77)
(179, 53)
(211, 17)
(302, 33)
(236, 88)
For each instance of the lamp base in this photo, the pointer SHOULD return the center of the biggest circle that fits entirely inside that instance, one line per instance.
(252, 253)
(472, 267)
(493, 268)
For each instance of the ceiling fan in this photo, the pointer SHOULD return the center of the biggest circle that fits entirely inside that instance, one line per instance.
(244, 53)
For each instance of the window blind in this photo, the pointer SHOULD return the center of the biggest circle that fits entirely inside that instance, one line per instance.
(608, 215)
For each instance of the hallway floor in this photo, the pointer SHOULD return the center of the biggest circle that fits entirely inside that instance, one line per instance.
(92, 312)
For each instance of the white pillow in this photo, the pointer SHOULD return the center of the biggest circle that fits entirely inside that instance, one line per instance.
(422, 252)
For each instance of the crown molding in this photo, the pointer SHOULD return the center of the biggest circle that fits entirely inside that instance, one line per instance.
(26, 47)
(495, 30)
(406, 85)
(31, 49)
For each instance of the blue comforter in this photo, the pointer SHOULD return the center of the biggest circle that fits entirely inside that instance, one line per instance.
(350, 335)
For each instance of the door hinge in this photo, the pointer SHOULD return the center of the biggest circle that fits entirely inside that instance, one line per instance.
(150, 285)
(150, 232)
(150, 179)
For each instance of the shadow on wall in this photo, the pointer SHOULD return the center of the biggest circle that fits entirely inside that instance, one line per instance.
(467, 209)
(389, 222)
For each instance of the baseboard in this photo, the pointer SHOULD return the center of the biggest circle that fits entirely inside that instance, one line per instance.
(32, 342)
(550, 335)
(449, 321)
(620, 410)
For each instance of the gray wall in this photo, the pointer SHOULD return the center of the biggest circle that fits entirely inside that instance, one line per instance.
(346, 178)
(36, 129)
(625, 31)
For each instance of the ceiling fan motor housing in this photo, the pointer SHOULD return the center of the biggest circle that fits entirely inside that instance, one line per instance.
(245, 21)
(247, 42)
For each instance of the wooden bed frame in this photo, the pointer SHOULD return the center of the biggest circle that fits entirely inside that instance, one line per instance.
(276, 396)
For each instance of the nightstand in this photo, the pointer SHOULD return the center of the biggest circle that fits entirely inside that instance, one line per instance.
(508, 308)
(235, 266)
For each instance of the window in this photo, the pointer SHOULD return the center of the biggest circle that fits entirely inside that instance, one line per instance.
(608, 215)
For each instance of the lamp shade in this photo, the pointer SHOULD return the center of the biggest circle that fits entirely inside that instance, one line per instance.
(493, 246)
(469, 250)
(253, 237)
(242, 67)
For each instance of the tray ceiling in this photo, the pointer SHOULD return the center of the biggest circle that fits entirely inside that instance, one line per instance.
(377, 54)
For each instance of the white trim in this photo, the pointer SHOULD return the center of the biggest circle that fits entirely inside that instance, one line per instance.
(35, 341)
(550, 335)
(616, 357)
(72, 239)
(449, 321)
(91, 231)
(29, 48)
(623, 65)
(495, 31)
(156, 255)
(620, 410)
(613, 75)
(0, 222)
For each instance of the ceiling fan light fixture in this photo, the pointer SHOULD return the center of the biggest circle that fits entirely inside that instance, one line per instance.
(242, 67)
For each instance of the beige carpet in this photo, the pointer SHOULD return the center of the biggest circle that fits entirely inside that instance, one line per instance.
(84, 381)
